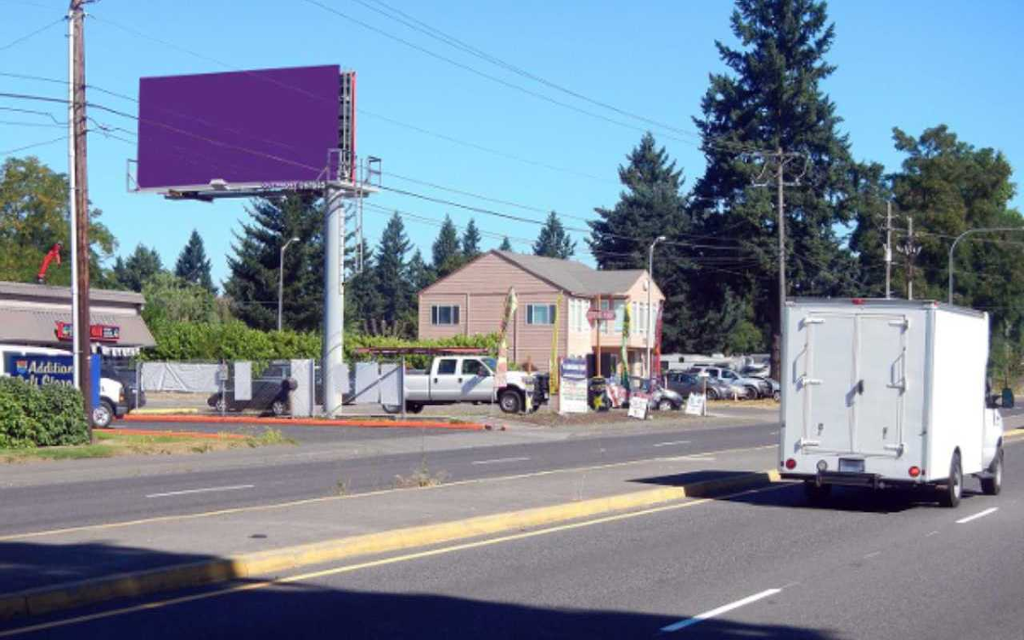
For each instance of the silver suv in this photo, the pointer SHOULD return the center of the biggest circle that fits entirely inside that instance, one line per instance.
(753, 388)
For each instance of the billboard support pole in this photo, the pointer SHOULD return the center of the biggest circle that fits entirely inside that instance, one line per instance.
(334, 299)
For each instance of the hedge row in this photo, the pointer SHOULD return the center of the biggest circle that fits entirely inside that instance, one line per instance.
(182, 341)
(32, 416)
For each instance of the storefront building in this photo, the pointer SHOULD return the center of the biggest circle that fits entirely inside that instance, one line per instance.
(40, 315)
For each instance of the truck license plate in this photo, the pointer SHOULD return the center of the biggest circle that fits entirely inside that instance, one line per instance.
(851, 466)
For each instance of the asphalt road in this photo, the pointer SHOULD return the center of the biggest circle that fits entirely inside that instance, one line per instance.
(763, 564)
(199, 486)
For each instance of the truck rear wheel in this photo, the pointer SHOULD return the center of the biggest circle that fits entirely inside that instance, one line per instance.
(413, 407)
(510, 402)
(955, 485)
(993, 484)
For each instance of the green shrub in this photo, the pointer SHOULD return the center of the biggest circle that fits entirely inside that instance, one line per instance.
(233, 340)
(32, 416)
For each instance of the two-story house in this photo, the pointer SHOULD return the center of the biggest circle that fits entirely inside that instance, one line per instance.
(471, 300)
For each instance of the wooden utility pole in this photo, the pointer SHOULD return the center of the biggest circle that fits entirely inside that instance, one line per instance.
(80, 226)
(910, 249)
(888, 250)
(779, 159)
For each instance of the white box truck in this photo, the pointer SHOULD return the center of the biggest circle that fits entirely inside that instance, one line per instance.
(887, 393)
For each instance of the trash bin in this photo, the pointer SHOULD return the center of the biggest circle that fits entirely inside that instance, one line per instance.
(1007, 398)
(597, 394)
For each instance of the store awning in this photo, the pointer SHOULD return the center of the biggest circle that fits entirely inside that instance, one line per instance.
(25, 326)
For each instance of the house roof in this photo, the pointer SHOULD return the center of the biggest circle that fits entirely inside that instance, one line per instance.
(575, 277)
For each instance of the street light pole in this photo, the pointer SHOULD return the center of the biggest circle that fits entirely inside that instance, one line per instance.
(650, 287)
(963, 235)
(280, 283)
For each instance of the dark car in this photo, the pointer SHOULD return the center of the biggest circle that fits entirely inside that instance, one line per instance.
(685, 383)
(662, 399)
(269, 392)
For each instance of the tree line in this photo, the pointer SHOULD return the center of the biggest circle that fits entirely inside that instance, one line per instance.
(718, 265)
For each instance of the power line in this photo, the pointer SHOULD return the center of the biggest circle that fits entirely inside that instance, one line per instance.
(424, 28)
(29, 35)
(31, 146)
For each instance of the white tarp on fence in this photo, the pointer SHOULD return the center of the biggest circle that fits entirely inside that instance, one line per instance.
(179, 376)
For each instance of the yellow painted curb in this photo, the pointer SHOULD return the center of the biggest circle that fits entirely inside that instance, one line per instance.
(1015, 434)
(135, 584)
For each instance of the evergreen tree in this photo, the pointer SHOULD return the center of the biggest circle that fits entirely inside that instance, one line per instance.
(193, 266)
(471, 241)
(390, 272)
(505, 245)
(553, 241)
(139, 268)
(363, 302)
(771, 99)
(447, 253)
(253, 283)
(650, 206)
(419, 274)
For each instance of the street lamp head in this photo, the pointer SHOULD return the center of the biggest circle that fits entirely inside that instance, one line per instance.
(295, 239)
(661, 239)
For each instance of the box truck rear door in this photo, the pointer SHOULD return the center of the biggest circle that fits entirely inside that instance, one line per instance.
(828, 409)
(881, 384)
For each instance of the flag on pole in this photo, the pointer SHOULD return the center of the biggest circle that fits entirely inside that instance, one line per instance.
(656, 365)
(553, 362)
(501, 375)
(624, 355)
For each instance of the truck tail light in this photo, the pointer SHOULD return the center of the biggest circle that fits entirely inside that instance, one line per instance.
(914, 471)
(791, 464)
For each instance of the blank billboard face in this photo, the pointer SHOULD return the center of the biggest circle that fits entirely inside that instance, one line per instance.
(247, 128)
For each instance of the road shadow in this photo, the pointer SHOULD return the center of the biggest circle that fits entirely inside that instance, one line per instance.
(29, 565)
(383, 606)
(791, 495)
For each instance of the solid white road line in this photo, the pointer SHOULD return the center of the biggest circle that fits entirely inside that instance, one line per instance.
(236, 487)
(499, 460)
(980, 514)
(674, 442)
(697, 619)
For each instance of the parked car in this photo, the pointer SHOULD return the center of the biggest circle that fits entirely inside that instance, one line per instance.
(269, 392)
(685, 383)
(754, 387)
(661, 398)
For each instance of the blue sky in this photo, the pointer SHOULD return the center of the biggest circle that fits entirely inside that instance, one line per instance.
(911, 64)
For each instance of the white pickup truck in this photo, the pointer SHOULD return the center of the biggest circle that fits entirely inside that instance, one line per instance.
(887, 393)
(455, 379)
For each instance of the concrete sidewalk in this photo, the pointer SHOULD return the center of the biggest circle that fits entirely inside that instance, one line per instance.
(70, 567)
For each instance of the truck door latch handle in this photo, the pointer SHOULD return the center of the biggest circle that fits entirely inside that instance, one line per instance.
(860, 387)
(804, 381)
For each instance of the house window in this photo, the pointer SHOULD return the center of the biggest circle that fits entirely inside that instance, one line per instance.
(444, 314)
(620, 314)
(578, 318)
(540, 314)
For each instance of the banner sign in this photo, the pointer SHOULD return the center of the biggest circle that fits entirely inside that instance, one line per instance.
(696, 404)
(572, 392)
(553, 361)
(639, 406)
(97, 332)
(46, 369)
(600, 314)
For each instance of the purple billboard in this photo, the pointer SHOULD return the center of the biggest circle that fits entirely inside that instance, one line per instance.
(246, 128)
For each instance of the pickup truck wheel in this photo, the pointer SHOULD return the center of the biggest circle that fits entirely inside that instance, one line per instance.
(955, 485)
(510, 402)
(993, 484)
(102, 414)
(752, 393)
(816, 494)
(413, 407)
(221, 406)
